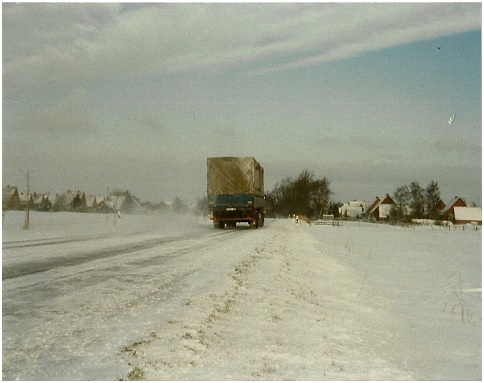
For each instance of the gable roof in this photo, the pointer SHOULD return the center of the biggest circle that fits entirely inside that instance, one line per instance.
(90, 200)
(439, 205)
(456, 201)
(375, 205)
(10, 197)
(387, 200)
(37, 198)
(9, 191)
(372, 207)
(23, 197)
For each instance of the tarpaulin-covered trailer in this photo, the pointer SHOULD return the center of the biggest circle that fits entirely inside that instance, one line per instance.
(235, 189)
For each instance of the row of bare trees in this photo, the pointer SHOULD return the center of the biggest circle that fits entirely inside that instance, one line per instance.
(415, 201)
(302, 195)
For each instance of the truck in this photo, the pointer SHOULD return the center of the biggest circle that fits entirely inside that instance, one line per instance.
(235, 191)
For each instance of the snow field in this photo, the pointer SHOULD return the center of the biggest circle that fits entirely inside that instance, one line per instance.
(426, 274)
(171, 298)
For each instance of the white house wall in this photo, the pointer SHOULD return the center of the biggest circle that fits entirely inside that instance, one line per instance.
(385, 210)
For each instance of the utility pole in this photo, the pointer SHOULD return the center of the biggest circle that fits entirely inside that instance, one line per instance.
(26, 225)
(106, 205)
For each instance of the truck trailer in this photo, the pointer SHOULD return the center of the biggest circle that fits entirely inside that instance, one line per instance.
(235, 190)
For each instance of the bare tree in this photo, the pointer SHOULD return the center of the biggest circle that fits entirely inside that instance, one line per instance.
(418, 200)
(303, 195)
(432, 197)
(402, 197)
(319, 196)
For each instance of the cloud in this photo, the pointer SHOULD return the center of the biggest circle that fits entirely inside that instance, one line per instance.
(454, 144)
(347, 31)
(49, 45)
(56, 122)
(153, 125)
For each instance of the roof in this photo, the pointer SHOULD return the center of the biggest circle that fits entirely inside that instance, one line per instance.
(37, 198)
(378, 204)
(450, 205)
(90, 199)
(9, 190)
(387, 200)
(373, 206)
(467, 213)
(9, 195)
(23, 197)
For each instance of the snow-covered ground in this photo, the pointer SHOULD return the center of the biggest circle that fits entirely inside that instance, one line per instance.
(172, 298)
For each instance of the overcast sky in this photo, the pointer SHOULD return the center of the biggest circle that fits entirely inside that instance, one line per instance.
(137, 96)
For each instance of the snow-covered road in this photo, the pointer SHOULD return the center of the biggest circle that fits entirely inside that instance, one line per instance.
(171, 298)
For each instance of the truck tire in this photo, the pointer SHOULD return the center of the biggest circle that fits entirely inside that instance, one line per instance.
(255, 223)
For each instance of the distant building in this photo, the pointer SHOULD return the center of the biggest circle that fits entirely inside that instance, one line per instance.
(380, 209)
(463, 215)
(91, 203)
(10, 198)
(101, 204)
(72, 201)
(448, 213)
(38, 200)
(24, 200)
(353, 209)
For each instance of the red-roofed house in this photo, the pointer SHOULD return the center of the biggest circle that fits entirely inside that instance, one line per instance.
(380, 209)
(448, 212)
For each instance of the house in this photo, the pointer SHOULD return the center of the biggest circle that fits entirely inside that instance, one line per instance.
(439, 206)
(353, 209)
(10, 198)
(91, 202)
(380, 209)
(52, 198)
(116, 202)
(102, 203)
(448, 212)
(463, 215)
(42, 201)
(73, 201)
(37, 200)
(23, 200)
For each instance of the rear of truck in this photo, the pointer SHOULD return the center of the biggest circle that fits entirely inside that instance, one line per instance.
(235, 190)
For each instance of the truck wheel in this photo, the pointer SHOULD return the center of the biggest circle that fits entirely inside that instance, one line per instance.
(221, 225)
(255, 223)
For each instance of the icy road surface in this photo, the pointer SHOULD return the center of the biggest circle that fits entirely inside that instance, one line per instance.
(172, 298)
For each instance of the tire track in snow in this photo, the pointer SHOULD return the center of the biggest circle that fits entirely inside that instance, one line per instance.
(23, 269)
(130, 281)
(48, 241)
